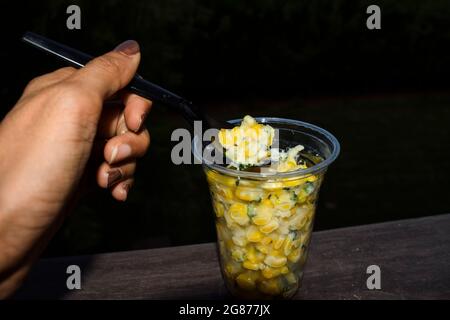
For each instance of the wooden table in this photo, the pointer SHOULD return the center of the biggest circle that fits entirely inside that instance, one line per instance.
(414, 257)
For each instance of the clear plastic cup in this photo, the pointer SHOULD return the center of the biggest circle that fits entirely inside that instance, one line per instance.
(264, 220)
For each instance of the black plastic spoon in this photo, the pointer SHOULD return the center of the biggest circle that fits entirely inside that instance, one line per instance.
(138, 85)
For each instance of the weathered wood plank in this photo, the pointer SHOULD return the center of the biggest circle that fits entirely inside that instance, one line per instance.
(414, 257)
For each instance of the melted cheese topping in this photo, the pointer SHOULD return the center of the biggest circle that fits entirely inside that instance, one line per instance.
(247, 144)
(250, 144)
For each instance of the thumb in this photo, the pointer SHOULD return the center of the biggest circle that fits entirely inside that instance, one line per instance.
(107, 74)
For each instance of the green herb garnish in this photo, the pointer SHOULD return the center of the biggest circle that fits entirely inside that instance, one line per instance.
(308, 188)
(251, 210)
(294, 196)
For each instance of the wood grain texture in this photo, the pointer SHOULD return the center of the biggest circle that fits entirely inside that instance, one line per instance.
(414, 257)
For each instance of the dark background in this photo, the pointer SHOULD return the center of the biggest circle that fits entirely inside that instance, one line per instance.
(383, 93)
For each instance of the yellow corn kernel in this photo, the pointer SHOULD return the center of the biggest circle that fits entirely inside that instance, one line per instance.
(285, 206)
(288, 246)
(266, 241)
(235, 132)
(284, 270)
(238, 254)
(249, 121)
(254, 235)
(250, 251)
(270, 287)
(226, 138)
(226, 192)
(249, 184)
(238, 212)
(294, 255)
(271, 226)
(231, 269)
(263, 248)
(296, 243)
(259, 129)
(250, 151)
(276, 253)
(217, 178)
(229, 244)
(285, 213)
(299, 220)
(263, 216)
(228, 221)
(246, 281)
(231, 224)
(292, 163)
(278, 242)
(251, 254)
(283, 227)
(302, 196)
(254, 255)
(239, 241)
(275, 261)
(270, 273)
(281, 200)
(219, 209)
(274, 196)
(248, 194)
(291, 278)
(266, 203)
(293, 183)
(272, 185)
(250, 133)
(250, 265)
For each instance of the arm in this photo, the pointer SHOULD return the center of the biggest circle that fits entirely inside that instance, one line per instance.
(46, 141)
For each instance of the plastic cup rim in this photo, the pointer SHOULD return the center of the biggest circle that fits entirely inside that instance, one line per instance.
(321, 166)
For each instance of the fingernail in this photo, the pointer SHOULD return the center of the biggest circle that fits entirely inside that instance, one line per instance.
(143, 116)
(114, 175)
(120, 152)
(126, 188)
(129, 47)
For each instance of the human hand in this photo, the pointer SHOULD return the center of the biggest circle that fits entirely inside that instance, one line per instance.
(46, 141)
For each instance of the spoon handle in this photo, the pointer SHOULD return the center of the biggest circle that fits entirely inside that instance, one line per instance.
(137, 85)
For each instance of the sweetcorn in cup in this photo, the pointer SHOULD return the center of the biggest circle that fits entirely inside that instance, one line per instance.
(264, 220)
